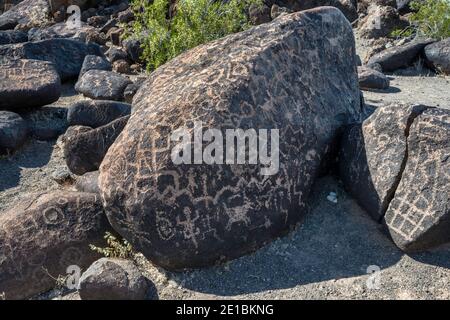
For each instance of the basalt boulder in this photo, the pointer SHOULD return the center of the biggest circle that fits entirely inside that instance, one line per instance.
(12, 36)
(66, 54)
(401, 56)
(438, 55)
(280, 76)
(96, 113)
(373, 155)
(85, 148)
(103, 85)
(94, 63)
(418, 217)
(28, 83)
(13, 131)
(27, 12)
(43, 236)
(372, 79)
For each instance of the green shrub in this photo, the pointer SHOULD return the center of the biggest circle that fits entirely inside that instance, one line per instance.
(431, 18)
(117, 248)
(194, 22)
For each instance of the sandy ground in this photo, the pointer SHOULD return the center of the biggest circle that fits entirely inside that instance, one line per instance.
(327, 257)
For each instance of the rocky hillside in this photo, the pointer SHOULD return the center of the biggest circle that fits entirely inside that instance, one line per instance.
(346, 164)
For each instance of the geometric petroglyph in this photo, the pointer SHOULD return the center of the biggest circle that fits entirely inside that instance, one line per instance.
(419, 215)
(280, 75)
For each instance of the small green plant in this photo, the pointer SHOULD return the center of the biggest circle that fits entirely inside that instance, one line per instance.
(166, 31)
(117, 248)
(60, 280)
(431, 18)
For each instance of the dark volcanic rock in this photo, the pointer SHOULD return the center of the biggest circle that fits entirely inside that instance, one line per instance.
(96, 113)
(94, 63)
(380, 22)
(99, 84)
(281, 76)
(59, 30)
(438, 55)
(12, 36)
(259, 13)
(133, 48)
(28, 83)
(66, 54)
(399, 56)
(88, 182)
(418, 218)
(84, 148)
(373, 156)
(47, 123)
(13, 131)
(43, 236)
(115, 53)
(113, 279)
(132, 88)
(372, 79)
(28, 12)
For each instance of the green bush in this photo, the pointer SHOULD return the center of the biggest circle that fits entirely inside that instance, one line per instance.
(194, 22)
(431, 18)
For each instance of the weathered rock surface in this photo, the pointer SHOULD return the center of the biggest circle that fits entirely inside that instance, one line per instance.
(12, 36)
(60, 30)
(399, 56)
(88, 182)
(373, 156)
(47, 123)
(13, 131)
(43, 236)
(269, 77)
(94, 63)
(28, 83)
(418, 218)
(372, 79)
(27, 12)
(85, 148)
(66, 54)
(259, 13)
(104, 85)
(113, 279)
(438, 55)
(96, 113)
(380, 22)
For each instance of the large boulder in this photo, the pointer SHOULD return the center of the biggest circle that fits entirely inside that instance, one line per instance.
(28, 83)
(43, 236)
(113, 279)
(438, 55)
(27, 12)
(401, 56)
(85, 148)
(373, 155)
(96, 113)
(104, 85)
(13, 131)
(418, 217)
(281, 76)
(66, 54)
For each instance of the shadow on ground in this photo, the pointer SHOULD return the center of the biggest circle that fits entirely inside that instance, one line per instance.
(335, 241)
(31, 155)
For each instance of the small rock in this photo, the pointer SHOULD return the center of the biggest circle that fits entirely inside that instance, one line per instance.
(12, 36)
(372, 79)
(92, 62)
(116, 53)
(96, 113)
(121, 66)
(113, 279)
(13, 131)
(259, 13)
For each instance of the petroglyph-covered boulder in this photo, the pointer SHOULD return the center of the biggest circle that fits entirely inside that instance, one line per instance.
(418, 217)
(438, 55)
(100, 84)
(96, 113)
(281, 76)
(373, 155)
(66, 54)
(44, 235)
(28, 83)
(85, 148)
